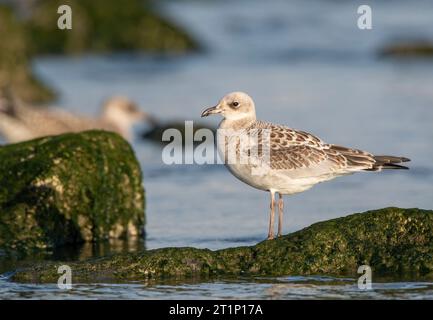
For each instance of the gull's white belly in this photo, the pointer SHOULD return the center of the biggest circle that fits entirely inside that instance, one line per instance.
(276, 180)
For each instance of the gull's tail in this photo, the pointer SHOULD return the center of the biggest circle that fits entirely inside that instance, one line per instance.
(388, 162)
(361, 160)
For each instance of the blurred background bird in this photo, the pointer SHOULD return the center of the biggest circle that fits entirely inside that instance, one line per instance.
(20, 121)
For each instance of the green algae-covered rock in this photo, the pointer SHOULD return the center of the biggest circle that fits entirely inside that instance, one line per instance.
(105, 26)
(394, 242)
(68, 189)
(15, 66)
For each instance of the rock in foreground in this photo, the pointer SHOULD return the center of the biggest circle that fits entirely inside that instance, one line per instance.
(394, 242)
(69, 189)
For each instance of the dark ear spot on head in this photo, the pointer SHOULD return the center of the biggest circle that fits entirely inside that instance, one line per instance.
(131, 107)
(6, 106)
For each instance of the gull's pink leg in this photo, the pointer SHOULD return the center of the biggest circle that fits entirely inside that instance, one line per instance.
(271, 217)
(280, 214)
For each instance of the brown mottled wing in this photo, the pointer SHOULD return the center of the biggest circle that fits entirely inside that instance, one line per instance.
(296, 157)
(307, 154)
(293, 150)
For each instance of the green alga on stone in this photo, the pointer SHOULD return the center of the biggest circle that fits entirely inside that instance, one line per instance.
(393, 242)
(68, 189)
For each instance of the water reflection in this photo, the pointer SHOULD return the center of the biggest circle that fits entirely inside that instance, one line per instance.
(77, 252)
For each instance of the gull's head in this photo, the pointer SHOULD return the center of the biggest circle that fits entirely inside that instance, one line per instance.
(233, 106)
(124, 112)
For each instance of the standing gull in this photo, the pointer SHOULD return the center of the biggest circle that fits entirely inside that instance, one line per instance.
(297, 160)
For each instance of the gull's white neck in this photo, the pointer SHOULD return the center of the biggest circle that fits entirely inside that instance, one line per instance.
(237, 123)
(119, 121)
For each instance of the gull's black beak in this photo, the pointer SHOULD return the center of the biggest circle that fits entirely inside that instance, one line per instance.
(212, 110)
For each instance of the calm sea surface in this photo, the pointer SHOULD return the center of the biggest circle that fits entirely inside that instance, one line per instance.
(307, 65)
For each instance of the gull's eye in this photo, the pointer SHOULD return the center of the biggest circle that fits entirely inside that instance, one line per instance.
(235, 104)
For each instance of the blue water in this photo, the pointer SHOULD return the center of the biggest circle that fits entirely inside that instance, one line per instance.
(307, 65)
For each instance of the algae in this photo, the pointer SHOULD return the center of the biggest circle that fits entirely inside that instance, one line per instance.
(392, 241)
(68, 189)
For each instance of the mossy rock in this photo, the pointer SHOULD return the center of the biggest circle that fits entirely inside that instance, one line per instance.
(394, 242)
(105, 26)
(15, 66)
(68, 189)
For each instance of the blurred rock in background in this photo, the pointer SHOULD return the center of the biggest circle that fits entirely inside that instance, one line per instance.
(104, 26)
(15, 66)
(29, 28)
(408, 49)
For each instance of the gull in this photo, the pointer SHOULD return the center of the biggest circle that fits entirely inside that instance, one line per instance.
(19, 122)
(296, 161)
